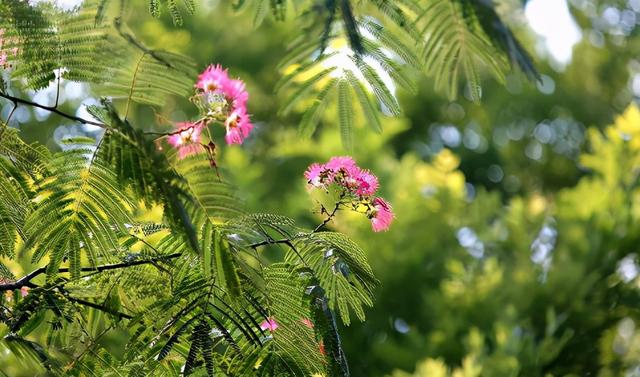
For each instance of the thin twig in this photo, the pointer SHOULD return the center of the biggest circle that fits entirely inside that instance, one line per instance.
(329, 217)
(269, 242)
(25, 281)
(58, 89)
(285, 241)
(15, 106)
(52, 109)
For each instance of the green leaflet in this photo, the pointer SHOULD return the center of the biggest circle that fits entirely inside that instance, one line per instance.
(226, 273)
(342, 271)
(454, 44)
(47, 39)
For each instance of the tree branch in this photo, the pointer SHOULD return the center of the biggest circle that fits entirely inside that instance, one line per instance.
(25, 281)
(52, 109)
(270, 242)
(285, 241)
(330, 217)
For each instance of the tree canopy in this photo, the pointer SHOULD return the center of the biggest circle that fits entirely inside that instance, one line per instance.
(317, 188)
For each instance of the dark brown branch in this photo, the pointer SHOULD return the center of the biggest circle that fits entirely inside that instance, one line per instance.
(25, 281)
(270, 242)
(285, 241)
(329, 217)
(52, 109)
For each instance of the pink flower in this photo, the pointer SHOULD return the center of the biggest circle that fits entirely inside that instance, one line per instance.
(236, 94)
(344, 172)
(225, 100)
(186, 139)
(345, 163)
(307, 322)
(238, 127)
(381, 216)
(24, 291)
(367, 183)
(314, 175)
(213, 78)
(270, 324)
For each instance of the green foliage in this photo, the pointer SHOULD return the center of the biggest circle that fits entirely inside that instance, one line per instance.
(150, 76)
(156, 8)
(458, 38)
(454, 40)
(372, 47)
(75, 210)
(48, 40)
(443, 311)
(341, 265)
(79, 208)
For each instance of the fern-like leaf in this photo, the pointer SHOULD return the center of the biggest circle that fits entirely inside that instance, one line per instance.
(150, 78)
(346, 116)
(454, 45)
(47, 39)
(342, 271)
(79, 207)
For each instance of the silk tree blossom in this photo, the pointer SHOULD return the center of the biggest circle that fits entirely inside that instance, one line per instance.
(270, 324)
(213, 78)
(224, 100)
(356, 188)
(315, 175)
(367, 183)
(187, 139)
(238, 127)
(344, 172)
(236, 94)
(343, 164)
(381, 215)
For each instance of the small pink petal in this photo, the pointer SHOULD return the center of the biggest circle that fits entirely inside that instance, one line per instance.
(187, 139)
(238, 127)
(212, 78)
(367, 183)
(314, 174)
(382, 215)
(345, 163)
(236, 93)
(270, 324)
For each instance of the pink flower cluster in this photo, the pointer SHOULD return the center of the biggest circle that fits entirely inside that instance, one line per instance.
(357, 186)
(222, 100)
(225, 99)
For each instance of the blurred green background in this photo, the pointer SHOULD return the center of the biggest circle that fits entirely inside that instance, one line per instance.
(514, 248)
